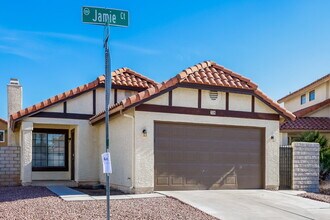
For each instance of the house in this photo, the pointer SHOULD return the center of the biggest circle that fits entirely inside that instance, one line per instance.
(311, 105)
(3, 132)
(205, 128)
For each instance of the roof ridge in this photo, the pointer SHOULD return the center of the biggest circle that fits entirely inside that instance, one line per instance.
(304, 87)
(3, 120)
(150, 92)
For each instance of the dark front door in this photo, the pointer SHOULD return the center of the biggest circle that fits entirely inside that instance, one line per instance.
(72, 153)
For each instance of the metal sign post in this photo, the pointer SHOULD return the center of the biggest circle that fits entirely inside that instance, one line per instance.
(106, 17)
(107, 105)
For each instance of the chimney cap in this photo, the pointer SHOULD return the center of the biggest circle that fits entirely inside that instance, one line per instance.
(14, 81)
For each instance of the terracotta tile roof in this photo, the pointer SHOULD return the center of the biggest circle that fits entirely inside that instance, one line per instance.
(308, 124)
(205, 73)
(309, 86)
(121, 77)
(3, 121)
(130, 78)
(305, 111)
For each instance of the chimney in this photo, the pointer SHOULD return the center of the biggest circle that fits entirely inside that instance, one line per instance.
(14, 103)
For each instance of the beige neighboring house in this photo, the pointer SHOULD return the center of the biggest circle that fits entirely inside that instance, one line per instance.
(205, 128)
(311, 105)
(3, 132)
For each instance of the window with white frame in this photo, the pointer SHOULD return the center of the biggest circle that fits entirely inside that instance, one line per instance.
(2, 136)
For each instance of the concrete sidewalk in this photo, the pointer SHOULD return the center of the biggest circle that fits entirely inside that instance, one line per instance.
(253, 204)
(68, 194)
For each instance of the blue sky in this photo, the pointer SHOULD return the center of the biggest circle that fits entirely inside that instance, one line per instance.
(279, 44)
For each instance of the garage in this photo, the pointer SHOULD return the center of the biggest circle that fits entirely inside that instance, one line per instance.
(199, 156)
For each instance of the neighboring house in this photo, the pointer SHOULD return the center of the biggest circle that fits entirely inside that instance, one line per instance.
(311, 105)
(3, 132)
(205, 128)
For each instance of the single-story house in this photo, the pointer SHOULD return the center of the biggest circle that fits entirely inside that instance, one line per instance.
(206, 128)
(311, 105)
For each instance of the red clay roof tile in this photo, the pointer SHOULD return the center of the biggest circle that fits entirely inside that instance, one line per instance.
(120, 77)
(197, 74)
(307, 124)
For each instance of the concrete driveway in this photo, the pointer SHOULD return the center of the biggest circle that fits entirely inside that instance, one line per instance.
(253, 204)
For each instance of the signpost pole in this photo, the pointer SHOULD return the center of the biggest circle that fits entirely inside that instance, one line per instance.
(106, 17)
(108, 82)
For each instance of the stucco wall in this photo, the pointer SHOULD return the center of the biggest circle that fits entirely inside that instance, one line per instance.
(240, 102)
(121, 150)
(261, 107)
(160, 100)
(185, 97)
(86, 157)
(82, 104)
(219, 103)
(321, 94)
(144, 146)
(324, 112)
(55, 108)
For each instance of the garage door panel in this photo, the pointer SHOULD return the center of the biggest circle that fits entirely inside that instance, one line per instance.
(193, 156)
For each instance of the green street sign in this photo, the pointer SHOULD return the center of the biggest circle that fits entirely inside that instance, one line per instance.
(105, 16)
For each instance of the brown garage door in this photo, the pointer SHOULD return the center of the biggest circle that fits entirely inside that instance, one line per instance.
(194, 156)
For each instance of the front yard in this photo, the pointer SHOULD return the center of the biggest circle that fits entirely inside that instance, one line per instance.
(323, 196)
(40, 203)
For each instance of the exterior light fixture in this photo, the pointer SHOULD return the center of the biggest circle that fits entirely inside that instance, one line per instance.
(144, 132)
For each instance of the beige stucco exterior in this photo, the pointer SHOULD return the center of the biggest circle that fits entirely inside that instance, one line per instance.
(132, 152)
(322, 92)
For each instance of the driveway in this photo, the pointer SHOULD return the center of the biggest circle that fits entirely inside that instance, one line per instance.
(253, 204)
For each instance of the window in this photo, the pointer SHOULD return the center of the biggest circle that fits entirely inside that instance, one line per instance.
(303, 99)
(49, 150)
(2, 136)
(311, 95)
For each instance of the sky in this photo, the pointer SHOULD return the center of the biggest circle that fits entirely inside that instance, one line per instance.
(281, 45)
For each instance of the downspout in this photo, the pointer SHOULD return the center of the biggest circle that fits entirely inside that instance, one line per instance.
(133, 150)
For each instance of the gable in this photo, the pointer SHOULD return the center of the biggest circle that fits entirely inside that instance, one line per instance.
(323, 112)
(189, 98)
(322, 92)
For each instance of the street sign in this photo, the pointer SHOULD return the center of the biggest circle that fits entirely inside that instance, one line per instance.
(105, 16)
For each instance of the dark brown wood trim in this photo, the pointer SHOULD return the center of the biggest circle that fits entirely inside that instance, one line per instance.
(64, 107)
(115, 96)
(208, 112)
(55, 131)
(170, 98)
(199, 98)
(62, 115)
(272, 107)
(94, 102)
(72, 156)
(13, 126)
(227, 101)
(131, 88)
(252, 103)
(216, 88)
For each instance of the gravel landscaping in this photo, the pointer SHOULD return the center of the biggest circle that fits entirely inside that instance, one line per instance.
(40, 203)
(323, 196)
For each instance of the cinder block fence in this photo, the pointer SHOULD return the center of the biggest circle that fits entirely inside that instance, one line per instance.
(9, 166)
(299, 166)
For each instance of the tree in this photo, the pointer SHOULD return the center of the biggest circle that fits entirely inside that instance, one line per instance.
(316, 137)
